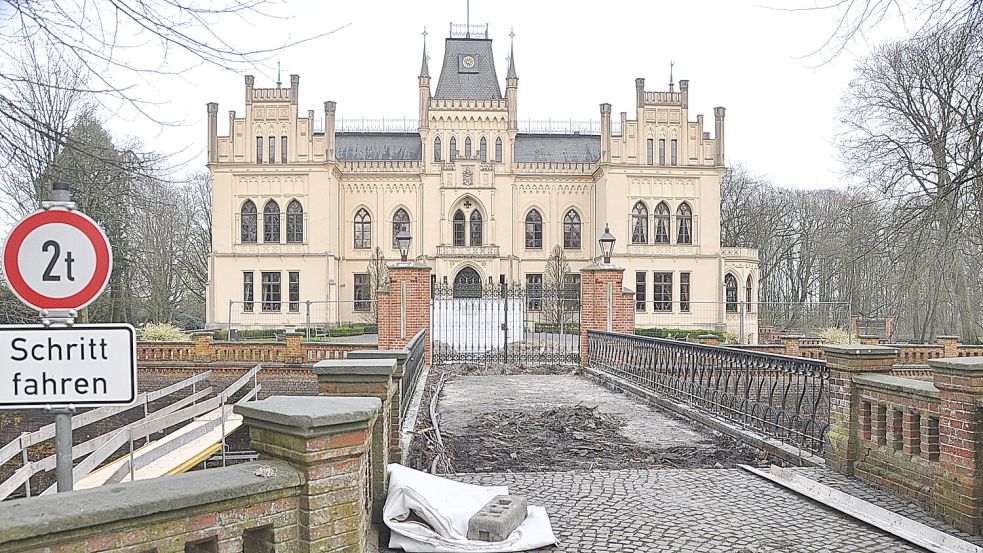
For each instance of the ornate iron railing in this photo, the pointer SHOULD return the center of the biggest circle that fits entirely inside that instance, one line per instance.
(786, 398)
(412, 368)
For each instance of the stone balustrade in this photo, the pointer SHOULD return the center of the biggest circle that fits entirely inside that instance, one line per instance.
(204, 349)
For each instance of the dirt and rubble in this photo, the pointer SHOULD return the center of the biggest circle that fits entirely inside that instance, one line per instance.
(488, 422)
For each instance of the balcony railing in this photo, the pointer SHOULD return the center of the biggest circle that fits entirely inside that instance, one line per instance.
(467, 251)
(786, 398)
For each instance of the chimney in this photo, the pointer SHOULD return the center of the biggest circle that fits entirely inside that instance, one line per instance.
(718, 135)
(212, 132)
(605, 133)
(640, 92)
(684, 92)
(329, 111)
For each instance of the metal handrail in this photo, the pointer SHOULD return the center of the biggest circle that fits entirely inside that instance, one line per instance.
(783, 397)
(412, 368)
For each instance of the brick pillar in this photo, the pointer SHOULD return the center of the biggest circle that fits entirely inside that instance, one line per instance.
(869, 339)
(959, 482)
(792, 344)
(295, 348)
(708, 339)
(396, 396)
(604, 303)
(404, 308)
(328, 440)
(203, 346)
(950, 345)
(367, 377)
(845, 361)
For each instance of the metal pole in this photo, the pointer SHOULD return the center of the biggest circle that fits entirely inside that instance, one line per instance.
(743, 313)
(307, 330)
(228, 331)
(63, 447)
(132, 470)
(505, 325)
(224, 399)
(26, 460)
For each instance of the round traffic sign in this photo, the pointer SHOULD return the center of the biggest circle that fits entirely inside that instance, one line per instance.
(57, 259)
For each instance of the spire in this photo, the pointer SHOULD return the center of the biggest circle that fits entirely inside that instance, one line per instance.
(424, 70)
(511, 54)
(278, 81)
(671, 83)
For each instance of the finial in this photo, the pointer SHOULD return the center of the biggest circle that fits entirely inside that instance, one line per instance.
(511, 52)
(424, 70)
(467, 27)
(278, 82)
(671, 83)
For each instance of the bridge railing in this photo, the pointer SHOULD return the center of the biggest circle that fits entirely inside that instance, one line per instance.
(786, 398)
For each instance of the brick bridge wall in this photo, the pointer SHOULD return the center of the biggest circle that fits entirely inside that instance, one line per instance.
(922, 439)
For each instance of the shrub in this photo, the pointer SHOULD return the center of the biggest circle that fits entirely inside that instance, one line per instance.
(163, 332)
(833, 335)
(672, 333)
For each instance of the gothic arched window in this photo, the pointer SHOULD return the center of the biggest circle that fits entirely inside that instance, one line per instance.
(640, 224)
(483, 149)
(534, 230)
(467, 147)
(475, 228)
(247, 222)
(661, 223)
(453, 152)
(459, 228)
(436, 149)
(498, 149)
(684, 224)
(730, 285)
(271, 222)
(363, 230)
(571, 230)
(295, 222)
(748, 292)
(401, 222)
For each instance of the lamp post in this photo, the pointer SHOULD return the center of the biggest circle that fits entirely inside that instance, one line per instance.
(403, 239)
(607, 244)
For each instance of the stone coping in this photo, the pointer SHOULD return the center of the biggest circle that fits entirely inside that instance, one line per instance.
(860, 350)
(310, 416)
(397, 354)
(898, 384)
(49, 514)
(603, 267)
(962, 366)
(380, 367)
(410, 265)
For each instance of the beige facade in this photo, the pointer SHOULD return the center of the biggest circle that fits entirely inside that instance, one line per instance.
(654, 178)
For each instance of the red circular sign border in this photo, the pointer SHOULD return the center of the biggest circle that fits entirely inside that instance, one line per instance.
(88, 227)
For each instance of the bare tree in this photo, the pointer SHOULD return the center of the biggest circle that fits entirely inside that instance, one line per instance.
(557, 309)
(378, 271)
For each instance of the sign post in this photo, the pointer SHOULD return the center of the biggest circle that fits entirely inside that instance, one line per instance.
(58, 261)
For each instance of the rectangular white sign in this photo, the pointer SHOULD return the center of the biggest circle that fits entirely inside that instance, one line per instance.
(84, 365)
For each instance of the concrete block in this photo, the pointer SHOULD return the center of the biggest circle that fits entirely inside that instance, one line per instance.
(498, 518)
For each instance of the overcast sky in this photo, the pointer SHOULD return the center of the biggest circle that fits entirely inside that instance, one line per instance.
(570, 56)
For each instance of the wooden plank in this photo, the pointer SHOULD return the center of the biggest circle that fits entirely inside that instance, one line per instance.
(879, 517)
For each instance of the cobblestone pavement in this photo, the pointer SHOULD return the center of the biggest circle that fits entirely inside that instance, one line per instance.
(686, 511)
(464, 397)
(882, 498)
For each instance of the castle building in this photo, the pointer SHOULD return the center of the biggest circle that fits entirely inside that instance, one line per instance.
(298, 210)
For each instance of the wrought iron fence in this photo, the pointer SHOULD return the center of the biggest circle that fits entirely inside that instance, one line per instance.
(786, 398)
(317, 319)
(472, 323)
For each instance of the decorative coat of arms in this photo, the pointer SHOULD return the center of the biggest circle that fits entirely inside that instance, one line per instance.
(468, 177)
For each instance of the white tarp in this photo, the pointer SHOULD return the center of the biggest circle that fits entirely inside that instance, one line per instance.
(445, 508)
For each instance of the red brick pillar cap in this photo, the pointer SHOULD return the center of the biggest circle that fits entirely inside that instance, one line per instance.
(355, 370)
(791, 337)
(309, 417)
(947, 337)
(970, 367)
(603, 267)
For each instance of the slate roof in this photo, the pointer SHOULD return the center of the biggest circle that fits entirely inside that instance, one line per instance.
(482, 85)
(356, 146)
(557, 148)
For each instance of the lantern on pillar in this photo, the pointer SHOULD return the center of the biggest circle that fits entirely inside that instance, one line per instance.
(607, 244)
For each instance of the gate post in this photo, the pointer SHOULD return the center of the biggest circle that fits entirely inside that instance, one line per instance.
(404, 309)
(605, 304)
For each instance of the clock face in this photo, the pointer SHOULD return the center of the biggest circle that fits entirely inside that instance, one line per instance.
(468, 62)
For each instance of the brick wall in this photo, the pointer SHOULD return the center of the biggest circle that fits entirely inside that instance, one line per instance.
(921, 439)
(595, 283)
(310, 491)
